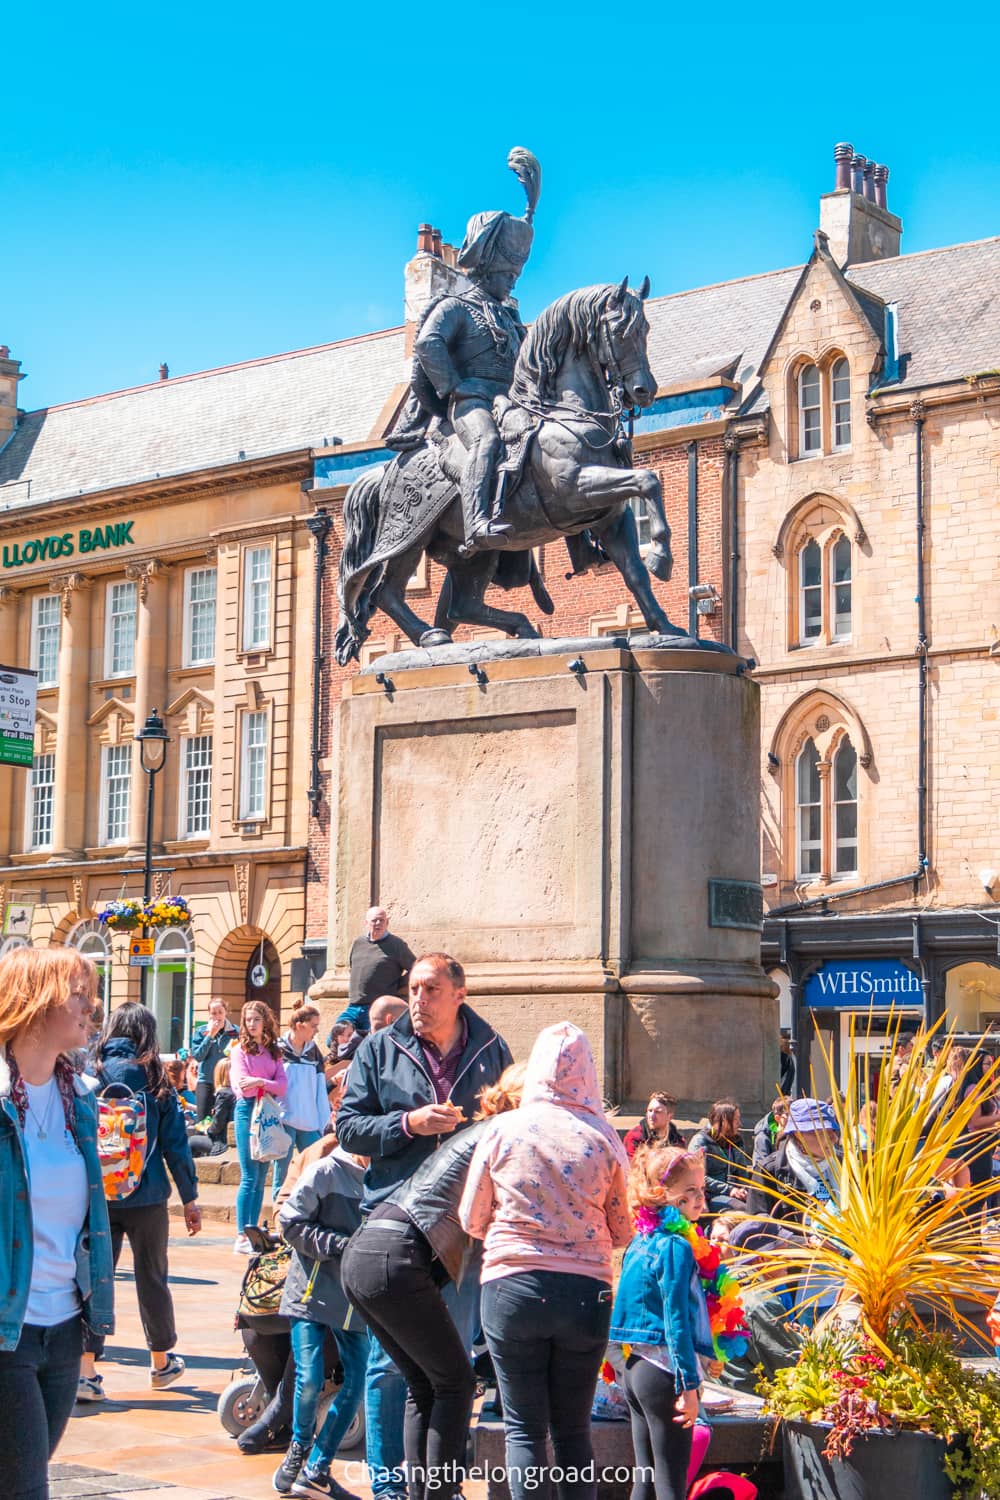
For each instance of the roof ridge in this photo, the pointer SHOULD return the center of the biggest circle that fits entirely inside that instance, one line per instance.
(890, 260)
(243, 364)
(711, 286)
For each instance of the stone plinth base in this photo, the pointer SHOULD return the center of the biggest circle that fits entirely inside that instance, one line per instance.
(585, 841)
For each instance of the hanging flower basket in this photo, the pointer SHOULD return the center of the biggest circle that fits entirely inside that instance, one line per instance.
(168, 911)
(123, 915)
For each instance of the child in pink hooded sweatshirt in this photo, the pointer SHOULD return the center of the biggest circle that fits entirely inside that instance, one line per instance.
(546, 1192)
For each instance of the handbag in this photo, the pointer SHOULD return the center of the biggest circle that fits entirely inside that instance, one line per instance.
(264, 1282)
(269, 1140)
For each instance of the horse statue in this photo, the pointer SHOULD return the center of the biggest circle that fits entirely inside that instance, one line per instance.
(567, 470)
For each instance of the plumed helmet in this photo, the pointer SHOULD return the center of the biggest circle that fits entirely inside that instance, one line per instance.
(497, 240)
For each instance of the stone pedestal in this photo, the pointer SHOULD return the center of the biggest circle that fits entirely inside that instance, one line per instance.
(558, 831)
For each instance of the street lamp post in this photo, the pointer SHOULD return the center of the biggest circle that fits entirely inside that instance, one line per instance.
(153, 740)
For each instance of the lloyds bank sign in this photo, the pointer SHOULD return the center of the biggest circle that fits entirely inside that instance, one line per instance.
(68, 544)
(856, 984)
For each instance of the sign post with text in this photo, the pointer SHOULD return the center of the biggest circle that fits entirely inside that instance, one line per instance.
(18, 695)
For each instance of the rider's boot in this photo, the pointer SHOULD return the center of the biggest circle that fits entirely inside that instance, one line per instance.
(481, 534)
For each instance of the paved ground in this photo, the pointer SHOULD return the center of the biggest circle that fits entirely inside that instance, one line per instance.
(169, 1445)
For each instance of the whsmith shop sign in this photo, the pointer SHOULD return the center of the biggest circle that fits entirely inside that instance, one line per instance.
(68, 544)
(857, 984)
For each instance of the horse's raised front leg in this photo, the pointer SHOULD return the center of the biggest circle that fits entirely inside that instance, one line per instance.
(392, 601)
(605, 486)
(621, 542)
(469, 582)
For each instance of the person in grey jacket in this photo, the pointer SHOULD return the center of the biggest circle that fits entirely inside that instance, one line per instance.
(321, 1213)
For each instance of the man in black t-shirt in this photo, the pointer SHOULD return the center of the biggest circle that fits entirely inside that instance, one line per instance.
(380, 963)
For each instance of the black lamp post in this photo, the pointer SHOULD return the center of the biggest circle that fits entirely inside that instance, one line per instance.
(153, 740)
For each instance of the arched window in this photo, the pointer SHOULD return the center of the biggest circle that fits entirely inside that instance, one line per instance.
(810, 591)
(845, 809)
(91, 938)
(840, 403)
(169, 994)
(840, 588)
(810, 411)
(809, 812)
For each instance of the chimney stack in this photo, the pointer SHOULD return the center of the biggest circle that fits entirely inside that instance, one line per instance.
(855, 217)
(430, 274)
(10, 374)
(425, 240)
(164, 372)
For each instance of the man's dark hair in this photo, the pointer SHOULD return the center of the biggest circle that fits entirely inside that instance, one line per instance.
(451, 966)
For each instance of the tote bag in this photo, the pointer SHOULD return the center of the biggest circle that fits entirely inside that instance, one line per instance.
(269, 1140)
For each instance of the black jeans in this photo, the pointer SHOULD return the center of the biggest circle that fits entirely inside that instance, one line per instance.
(661, 1445)
(204, 1098)
(38, 1383)
(147, 1230)
(547, 1332)
(390, 1274)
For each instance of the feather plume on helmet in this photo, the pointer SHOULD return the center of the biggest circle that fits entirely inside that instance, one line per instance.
(497, 238)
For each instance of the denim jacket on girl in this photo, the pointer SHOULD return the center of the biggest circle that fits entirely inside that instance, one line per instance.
(94, 1269)
(660, 1301)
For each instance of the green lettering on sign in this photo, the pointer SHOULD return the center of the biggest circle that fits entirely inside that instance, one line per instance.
(46, 548)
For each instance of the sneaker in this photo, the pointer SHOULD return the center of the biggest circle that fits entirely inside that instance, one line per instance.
(90, 1388)
(242, 1246)
(263, 1439)
(172, 1370)
(318, 1483)
(286, 1475)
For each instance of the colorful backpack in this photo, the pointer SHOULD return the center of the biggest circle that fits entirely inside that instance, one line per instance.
(122, 1139)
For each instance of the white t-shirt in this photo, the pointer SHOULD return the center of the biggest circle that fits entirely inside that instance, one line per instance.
(59, 1200)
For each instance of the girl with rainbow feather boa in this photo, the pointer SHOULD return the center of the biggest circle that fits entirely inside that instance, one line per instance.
(676, 1301)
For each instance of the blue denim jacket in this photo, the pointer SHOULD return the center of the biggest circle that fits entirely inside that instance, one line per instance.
(660, 1301)
(94, 1268)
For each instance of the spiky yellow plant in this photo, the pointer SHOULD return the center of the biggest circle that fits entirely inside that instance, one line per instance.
(899, 1247)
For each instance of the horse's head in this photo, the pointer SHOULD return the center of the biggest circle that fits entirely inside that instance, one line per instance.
(622, 335)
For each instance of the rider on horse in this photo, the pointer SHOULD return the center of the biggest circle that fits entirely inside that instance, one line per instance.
(465, 352)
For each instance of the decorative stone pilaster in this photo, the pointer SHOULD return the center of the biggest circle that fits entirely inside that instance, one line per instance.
(150, 678)
(69, 796)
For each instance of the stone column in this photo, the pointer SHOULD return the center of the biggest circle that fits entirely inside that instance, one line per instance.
(69, 797)
(150, 683)
(11, 835)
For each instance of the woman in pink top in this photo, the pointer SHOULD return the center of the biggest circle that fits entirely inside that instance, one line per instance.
(546, 1192)
(255, 1068)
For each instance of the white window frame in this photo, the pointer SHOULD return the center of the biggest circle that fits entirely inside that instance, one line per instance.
(53, 602)
(841, 632)
(110, 615)
(806, 451)
(643, 521)
(190, 660)
(812, 588)
(250, 723)
(801, 844)
(840, 405)
(187, 772)
(838, 842)
(31, 801)
(252, 641)
(107, 839)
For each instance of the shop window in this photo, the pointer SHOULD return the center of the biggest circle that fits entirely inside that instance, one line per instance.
(45, 627)
(116, 793)
(808, 812)
(972, 997)
(119, 630)
(199, 616)
(40, 794)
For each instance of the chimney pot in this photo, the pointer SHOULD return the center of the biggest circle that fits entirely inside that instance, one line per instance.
(858, 174)
(4, 352)
(869, 183)
(425, 240)
(436, 243)
(881, 175)
(842, 154)
(164, 372)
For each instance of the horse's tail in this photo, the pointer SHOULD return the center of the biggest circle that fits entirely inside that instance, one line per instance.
(361, 516)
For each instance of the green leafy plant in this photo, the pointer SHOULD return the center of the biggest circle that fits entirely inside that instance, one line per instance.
(903, 1245)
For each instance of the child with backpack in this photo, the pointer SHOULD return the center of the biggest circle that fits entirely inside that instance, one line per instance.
(141, 1132)
(671, 1276)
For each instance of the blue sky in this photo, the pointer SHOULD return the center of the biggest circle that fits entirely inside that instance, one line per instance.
(206, 184)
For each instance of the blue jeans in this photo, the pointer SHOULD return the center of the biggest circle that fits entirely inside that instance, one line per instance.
(308, 1339)
(37, 1390)
(253, 1174)
(385, 1391)
(300, 1140)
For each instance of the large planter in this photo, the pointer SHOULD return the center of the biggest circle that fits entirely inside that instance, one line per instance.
(908, 1465)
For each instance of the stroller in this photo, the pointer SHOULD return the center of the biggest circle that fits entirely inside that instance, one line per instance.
(256, 1405)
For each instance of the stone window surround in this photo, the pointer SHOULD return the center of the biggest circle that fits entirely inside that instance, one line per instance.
(824, 363)
(243, 712)
(822, 518)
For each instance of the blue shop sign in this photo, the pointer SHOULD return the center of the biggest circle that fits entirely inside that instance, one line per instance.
(856, 984)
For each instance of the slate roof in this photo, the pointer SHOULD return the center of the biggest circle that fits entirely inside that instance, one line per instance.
(949, 327)
(192, 422)
(949, 309)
